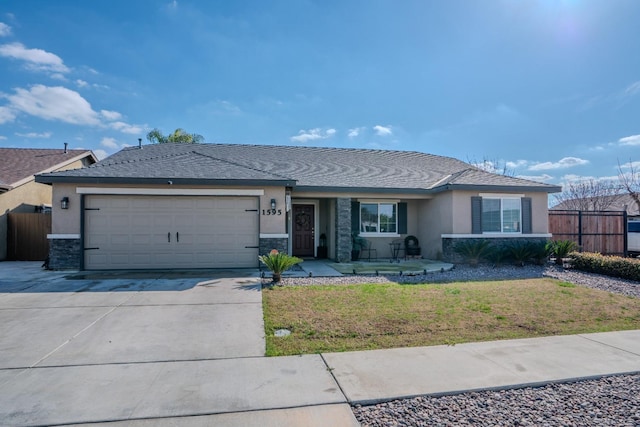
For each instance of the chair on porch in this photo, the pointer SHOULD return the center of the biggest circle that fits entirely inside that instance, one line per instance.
(369, 250)
(411, 247)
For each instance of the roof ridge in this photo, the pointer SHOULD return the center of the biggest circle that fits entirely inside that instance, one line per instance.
(240, 165)
(106, 161)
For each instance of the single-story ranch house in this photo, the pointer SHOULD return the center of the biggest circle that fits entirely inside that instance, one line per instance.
(221, 205)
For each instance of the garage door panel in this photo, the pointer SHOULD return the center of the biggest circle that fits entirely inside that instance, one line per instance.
(132, 232)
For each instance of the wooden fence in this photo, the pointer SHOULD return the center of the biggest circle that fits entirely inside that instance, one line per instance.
(27, 236)
(594, 231)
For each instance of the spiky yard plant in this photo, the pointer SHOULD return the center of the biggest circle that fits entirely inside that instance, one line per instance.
(520, 252)
(540, 251)
(473, 251)
(561, 248)
(278, 263)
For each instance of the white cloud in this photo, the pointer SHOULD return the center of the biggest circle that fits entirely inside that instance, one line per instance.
(352, 133)
(382, 130)
(110, 115)
(54, 103)
(312, 135)
(632, 89)
(517, 164)
(58, 76)
(629, 165)
(109, 143)
(81, 83)
(126, 128)
(5, 30)
(6, 115)
(630, 140)
(540, 178)
(564, 163)
(2, 137)
(36, 59)
(100, 154)
(35, 135)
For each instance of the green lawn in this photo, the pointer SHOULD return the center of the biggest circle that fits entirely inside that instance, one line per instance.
(371, 316)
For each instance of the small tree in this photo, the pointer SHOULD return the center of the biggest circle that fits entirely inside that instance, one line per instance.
(496, 166)
(178, 136)
(589, 195)
(630, 180)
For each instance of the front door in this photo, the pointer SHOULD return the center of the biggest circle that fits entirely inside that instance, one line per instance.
(303, 230)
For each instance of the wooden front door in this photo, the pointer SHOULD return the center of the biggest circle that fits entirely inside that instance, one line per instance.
(303, 230)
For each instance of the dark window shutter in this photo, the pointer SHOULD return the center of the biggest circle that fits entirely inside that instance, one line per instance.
(355, 217)
(402, 218)
(526, 215)
(476, 215)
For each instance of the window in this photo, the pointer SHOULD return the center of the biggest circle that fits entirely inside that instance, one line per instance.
(501, 215)
(378, 218)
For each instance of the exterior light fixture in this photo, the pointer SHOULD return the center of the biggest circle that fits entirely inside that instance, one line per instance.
(273, 203)
(64, 203)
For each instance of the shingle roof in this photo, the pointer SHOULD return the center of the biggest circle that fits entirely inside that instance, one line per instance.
(302, 167)
(18, 164)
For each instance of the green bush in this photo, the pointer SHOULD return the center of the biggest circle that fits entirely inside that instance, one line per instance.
(520, 252)
(562, 248)
(615, 266)
(497, 255)
(540, 251)
(473, 251)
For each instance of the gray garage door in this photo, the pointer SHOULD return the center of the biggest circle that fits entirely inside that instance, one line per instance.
(155, 232)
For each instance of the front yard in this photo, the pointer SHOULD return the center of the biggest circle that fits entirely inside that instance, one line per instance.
(370, 316)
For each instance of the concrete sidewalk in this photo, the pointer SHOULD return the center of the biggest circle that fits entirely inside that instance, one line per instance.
(368, 377)
(301, 390)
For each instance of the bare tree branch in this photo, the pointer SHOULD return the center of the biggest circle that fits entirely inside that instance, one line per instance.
(492, 165)
(630, 181)
(589, 195)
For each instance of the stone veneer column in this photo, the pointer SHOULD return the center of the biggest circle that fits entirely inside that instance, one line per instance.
(64, 254)
(269, 243)
(343, 229)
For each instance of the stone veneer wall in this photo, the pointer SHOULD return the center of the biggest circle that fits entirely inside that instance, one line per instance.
(448, 243)
(64, 254)
(269, 243)
(343, 229)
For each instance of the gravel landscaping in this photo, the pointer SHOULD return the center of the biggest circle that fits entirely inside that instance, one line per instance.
(609, 401)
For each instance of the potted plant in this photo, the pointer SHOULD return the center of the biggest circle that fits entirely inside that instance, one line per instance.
(278, 262)
(357, 243)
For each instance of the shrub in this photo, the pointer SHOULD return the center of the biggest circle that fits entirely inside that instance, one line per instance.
(278, 262)
(497, 255)
(540, 251)
(562, 248)
(615, 266)
(473, 251)
(520, 252)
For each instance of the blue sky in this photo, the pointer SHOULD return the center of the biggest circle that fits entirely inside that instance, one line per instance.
(549, 87)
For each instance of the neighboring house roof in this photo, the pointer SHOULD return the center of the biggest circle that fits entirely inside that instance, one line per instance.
(619, 202)
(309, 168)
(19, 165)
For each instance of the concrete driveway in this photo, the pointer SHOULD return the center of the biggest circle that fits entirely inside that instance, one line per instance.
(57, 319)
(150, 349)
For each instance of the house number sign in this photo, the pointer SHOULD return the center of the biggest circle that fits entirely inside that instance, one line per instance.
(271, 211)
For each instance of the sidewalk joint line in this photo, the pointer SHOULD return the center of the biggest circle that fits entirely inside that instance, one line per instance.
(330, 369)
(608, 345)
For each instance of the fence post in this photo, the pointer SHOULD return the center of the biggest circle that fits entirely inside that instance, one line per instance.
(625, 233)
(580, 230)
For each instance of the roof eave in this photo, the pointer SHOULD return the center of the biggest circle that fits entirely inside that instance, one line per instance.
(500, 188)
(335, 189)
(44, 179)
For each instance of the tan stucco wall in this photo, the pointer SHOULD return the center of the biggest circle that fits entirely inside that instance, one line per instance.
(21, 199)
(25, 198)
(435, 218)
(68, 221)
